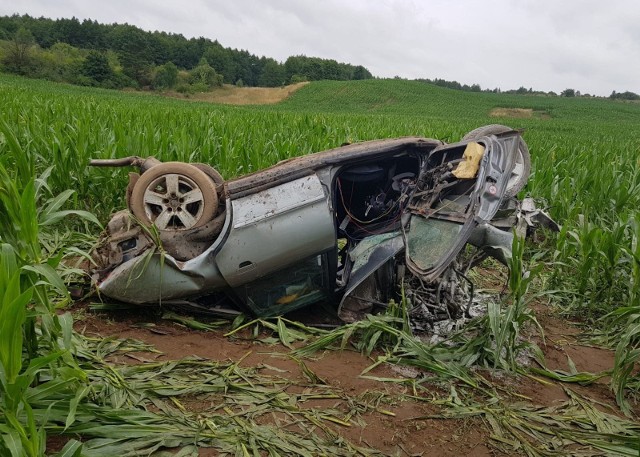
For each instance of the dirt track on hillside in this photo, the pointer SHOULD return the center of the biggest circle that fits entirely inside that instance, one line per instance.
(232, 95)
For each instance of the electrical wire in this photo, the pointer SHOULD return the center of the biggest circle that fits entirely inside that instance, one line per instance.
(346, 209)
(361, 225)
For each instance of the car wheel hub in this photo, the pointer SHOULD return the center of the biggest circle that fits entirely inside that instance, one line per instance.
(173, 201)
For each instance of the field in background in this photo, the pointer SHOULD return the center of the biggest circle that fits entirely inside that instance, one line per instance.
(585, 154)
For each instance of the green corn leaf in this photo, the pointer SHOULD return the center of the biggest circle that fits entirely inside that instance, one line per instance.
(73, 405)
(50, 276)
(52, 218)
(11, 441)
(73, 448)
(283, 333)
(12, 318)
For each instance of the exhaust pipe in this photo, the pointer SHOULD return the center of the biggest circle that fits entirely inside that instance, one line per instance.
(131, 161)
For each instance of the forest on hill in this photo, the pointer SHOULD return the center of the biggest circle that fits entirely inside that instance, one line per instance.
(115, 56)
(122, 55)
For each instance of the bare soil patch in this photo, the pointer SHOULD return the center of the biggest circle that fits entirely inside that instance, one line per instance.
(232, 95)
(519, 113)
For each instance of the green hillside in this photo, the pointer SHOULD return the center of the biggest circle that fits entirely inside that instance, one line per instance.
(563, 134)
(416, 98)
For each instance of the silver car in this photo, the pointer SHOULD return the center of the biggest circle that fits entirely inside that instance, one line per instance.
(348, 227)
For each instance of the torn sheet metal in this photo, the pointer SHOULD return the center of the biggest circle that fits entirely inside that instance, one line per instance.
(361, 291)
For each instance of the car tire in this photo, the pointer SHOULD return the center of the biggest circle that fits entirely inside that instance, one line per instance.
(522, 167)
(211, 172)
(174, 196)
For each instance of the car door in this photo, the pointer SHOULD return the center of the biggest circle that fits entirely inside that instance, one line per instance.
(275, 257)
(460, 186)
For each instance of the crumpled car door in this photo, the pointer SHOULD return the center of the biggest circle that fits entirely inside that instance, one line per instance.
(460, 186)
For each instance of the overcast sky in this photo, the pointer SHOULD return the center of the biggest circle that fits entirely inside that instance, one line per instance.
(590, 45)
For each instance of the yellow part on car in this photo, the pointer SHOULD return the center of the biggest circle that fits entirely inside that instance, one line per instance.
(468, 168)
(287, 299)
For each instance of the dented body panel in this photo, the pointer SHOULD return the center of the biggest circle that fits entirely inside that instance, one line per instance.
(294, 216)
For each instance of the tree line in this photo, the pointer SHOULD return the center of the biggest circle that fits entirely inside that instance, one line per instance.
(523, 90)
(118, 55)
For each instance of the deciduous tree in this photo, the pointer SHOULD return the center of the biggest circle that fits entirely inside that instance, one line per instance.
(18, 57)
(166, 76)
(205, 75)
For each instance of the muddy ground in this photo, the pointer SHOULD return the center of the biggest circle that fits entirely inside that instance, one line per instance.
(407, 431)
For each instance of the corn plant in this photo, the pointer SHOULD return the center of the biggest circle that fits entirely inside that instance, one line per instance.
(503, 326)
(34, 340)
(627, 356)
(575, 427)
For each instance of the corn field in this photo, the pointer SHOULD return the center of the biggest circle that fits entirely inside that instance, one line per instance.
(586, 170)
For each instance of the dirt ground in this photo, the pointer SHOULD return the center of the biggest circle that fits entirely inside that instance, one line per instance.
(519, 113)
(232, 95)
(405, 433)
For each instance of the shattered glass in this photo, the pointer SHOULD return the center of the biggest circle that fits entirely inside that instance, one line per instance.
(429, 240)
(300, 284)
(361, 253)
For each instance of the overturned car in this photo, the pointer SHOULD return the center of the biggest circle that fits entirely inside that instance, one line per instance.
(347, 227)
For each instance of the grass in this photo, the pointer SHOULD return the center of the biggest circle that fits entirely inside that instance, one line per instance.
(585, 167)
